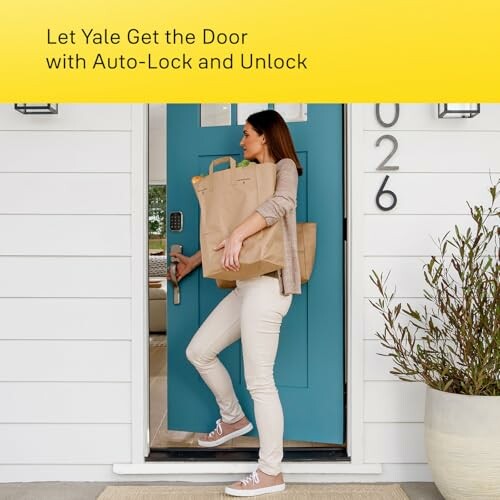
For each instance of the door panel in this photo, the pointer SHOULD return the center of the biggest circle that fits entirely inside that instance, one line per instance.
(309, 368)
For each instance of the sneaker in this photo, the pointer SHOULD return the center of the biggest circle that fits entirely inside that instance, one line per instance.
(257, 483)
(225, 432)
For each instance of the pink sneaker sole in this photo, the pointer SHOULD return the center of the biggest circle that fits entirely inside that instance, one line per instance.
(236, 492)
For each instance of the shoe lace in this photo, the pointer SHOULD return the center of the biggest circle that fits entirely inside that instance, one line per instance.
(218, 429)
(253, 478)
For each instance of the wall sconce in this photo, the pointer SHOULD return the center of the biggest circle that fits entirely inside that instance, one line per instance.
(37, 109)
(458, 110)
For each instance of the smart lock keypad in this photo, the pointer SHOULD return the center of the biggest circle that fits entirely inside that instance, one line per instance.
(176, 221)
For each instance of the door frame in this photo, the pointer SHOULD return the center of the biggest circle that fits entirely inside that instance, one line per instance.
(353, 297)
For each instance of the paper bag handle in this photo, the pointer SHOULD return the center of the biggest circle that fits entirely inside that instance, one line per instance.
(222, 159)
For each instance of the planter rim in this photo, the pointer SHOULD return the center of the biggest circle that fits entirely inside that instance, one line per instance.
(454, 394)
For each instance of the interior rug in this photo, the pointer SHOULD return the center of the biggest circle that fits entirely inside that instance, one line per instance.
(293, 492)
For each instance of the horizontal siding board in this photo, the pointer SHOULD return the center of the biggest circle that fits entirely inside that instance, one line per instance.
(424, 117)
(394, 443)
(71, 151)
(62, 193)
(406, 273)
(70, 117)
(65, 443)
(65, 402)
(434, 152)
(65, 277)
(377, 365)
(402, 402)
(66, 318)
(409, 235)
(374, 322)
(65, 235)
(425, 193)
(65, 361)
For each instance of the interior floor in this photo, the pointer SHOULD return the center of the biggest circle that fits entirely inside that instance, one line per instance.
(160, 436)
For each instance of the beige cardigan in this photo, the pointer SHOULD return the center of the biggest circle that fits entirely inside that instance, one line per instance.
(283, 204)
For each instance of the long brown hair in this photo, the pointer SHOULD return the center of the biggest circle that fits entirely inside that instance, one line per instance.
(279, 141)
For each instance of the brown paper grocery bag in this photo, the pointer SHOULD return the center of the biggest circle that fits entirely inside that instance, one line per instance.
(306, 251)
(226, 198)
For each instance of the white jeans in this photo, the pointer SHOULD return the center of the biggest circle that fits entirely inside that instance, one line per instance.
(253, 311)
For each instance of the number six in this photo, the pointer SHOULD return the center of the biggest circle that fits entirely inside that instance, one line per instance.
(383, 191)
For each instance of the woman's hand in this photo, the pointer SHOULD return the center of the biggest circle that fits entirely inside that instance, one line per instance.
(230, 259)
(184, 265)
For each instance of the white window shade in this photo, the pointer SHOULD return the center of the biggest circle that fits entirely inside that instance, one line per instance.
(157, 144)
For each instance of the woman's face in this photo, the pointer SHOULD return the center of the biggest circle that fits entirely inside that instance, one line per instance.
(254, 145)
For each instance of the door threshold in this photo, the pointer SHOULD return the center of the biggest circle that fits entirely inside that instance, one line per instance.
(299, 454)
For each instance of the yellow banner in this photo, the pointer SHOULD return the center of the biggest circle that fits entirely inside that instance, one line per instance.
(256, 51)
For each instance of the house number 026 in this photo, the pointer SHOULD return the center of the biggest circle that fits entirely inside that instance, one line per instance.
(383, 165)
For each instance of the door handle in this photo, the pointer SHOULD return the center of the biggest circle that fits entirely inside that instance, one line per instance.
(172, 271)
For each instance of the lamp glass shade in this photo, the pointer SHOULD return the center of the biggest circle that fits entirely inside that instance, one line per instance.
(458, 110)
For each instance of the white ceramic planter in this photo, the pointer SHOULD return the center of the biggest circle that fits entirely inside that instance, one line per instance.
(462, 437)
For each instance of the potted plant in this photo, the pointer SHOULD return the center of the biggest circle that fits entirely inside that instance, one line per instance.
(452, 344)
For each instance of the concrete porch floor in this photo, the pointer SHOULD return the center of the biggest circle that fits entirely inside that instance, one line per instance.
(90, 491)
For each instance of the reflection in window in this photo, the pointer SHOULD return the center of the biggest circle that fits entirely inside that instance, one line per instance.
(292, 112)
(215, 115)
(244, 110)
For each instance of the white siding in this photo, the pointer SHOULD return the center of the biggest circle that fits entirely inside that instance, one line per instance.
(65, 276)
(64, 318)
(373, 321)
(65, 235)
(423, 118)
(65, 402)
(62, 193)
(61, 360)
(402, 402)
(394, 443)
(64, 443)
(408, 235)
(66, 286)
(435, 151)
(65, 151)
(442, 165)
(426, 193)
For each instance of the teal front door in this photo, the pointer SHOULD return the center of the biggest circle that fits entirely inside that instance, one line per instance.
(309, 368)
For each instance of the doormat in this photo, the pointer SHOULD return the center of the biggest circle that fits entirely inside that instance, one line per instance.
(292, 492)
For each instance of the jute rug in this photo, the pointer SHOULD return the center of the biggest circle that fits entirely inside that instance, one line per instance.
(292, 492)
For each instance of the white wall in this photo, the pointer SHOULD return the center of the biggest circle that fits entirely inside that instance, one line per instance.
(443, 164)
(67, 319)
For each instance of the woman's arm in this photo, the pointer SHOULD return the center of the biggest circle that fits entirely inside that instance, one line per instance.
(284, 198)
(232, 244)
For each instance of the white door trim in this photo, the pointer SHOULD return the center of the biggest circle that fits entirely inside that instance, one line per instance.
(355, 270)
(354, 318)
(139, 283)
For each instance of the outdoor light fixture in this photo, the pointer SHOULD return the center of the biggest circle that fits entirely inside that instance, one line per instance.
(37, 109)
(458, 110)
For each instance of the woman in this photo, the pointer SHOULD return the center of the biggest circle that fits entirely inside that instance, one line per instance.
(253, 311)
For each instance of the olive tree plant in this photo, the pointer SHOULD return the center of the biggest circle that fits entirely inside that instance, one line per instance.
(453, 343)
